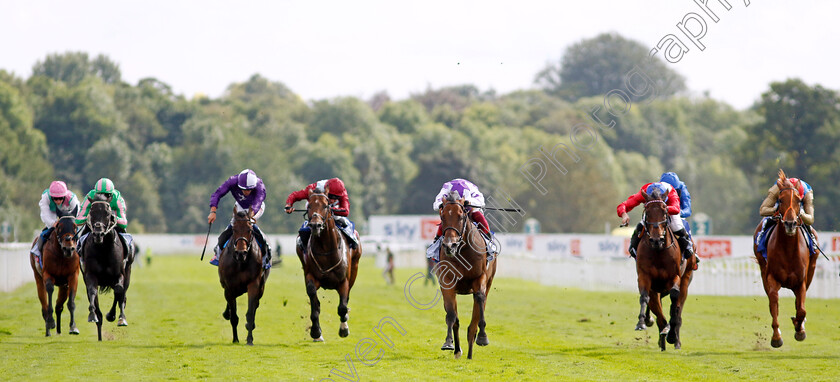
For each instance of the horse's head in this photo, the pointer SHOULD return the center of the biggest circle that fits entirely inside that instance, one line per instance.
(318, 211)
(101, 220)
(453, 222)
(789, 203)
(65, 231)
(655, 219)
(242, 235)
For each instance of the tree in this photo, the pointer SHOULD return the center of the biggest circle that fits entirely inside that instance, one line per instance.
(73, 67)
(24, 169)
(798, 132)
(597, 65)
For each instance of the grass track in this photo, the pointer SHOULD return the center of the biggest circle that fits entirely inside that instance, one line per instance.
(176, 332)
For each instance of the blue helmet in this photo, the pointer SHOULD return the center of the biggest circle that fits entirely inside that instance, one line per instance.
(671, 178)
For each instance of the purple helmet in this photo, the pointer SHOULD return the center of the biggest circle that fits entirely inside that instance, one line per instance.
(247, 180)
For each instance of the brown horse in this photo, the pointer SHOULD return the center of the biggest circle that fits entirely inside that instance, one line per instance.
(789, 263)
(241, 270)
(61, 268)
(463, 269)
(329, 263)
(660, 270)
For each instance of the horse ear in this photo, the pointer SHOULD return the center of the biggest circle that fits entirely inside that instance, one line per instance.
(645, 195)
(782, 175)
(326, 190)
(311, 191)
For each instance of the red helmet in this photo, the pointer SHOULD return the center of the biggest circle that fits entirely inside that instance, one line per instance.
(336, 186)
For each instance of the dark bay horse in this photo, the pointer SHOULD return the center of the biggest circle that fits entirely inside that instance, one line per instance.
(329, 263)
(789, 263)
(463, 269)
(106, 264)
(61, 269)
(241, 270)
(661, 271)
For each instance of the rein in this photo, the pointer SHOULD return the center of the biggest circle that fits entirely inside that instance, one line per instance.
(795, 195)
(327, 215)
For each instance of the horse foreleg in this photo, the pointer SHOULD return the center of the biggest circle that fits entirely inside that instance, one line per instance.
(59, 307)
(771, 287)
(656, 307)
(315, 309)
(98, 314)
(49, 287)
(72, 284)
(799, 320)
(231, 314)
(42, 294)
(644, 310)
(254, 294)
(119, 293)
(126, 278)
(92, 299)
(676, 317)
(477, 323)
(343, 297)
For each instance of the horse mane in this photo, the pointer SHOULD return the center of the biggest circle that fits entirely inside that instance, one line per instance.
(240, 214)
(783, 179)
(100, 198)
(452, 196)
(656, 194)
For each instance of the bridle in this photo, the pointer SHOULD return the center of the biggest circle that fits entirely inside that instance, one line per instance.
(111, 224)
(328, 214)
(794, 196)
(664, 222)
(250, 236)
(463, 217)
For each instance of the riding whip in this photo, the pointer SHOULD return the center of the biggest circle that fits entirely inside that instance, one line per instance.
(209, 225)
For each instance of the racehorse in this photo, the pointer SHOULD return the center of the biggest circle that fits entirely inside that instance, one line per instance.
(241, 270)
(106, 264)
(463, 269)
(789, 263)
(61, 268)
(661, 271)
(329, 263)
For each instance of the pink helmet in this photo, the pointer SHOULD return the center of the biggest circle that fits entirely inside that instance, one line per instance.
(58, 189)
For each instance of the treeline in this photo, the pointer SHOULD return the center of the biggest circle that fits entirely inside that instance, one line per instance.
(76, 120)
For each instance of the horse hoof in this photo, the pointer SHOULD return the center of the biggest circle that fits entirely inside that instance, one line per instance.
(74, 331)
(776, 343)
(343, 332)
(677, 346)
(123, 322)
(48, 335)
(649, 322)
(319, 339)
(447, 346)
(111, 317)
(672, 337)
(662, 341)
(92, 318)
(482, 341)
(250, 343)
(51, 324)
(641, 327)
(226, 315)
(800, 336)
(457, 355)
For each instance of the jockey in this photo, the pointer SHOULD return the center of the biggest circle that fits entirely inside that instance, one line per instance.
(249, 192)
(672, 202)
(770, 206)
(104, 190)
(339, 203)
(473, 202)
(56, 202)
(685, 201)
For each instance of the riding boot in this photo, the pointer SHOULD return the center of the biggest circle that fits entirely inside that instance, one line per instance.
(262, 242)
(223, 238)
(433, 251)
(303, 235)
(685, 244)
(634, 240)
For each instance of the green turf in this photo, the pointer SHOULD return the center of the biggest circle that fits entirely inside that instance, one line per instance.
(176, 332)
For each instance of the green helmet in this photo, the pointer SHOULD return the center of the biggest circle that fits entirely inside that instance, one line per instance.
(104, 186)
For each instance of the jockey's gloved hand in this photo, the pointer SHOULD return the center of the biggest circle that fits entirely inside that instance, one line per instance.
(289, 209)
(336, 210)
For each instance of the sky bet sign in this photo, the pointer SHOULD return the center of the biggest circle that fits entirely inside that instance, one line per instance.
(404, 228)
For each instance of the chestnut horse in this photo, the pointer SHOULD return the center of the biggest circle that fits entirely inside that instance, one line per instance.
(661, 271)
(241, 270)
(107, 264)
(789, 263)
(463, 269)
(61, 269)
(329, 263)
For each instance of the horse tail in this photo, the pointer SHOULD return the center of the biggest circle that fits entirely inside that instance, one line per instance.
(104, 289)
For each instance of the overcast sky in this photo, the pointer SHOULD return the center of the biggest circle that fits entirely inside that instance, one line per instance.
(324, 49)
